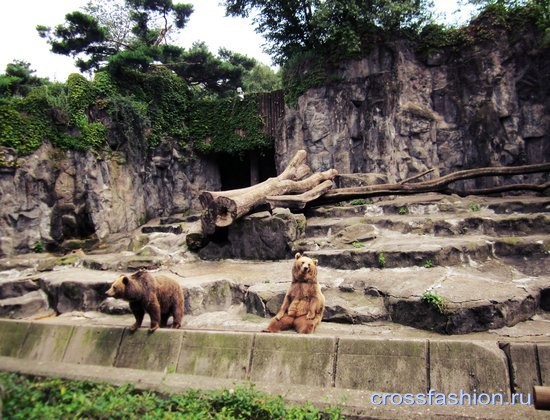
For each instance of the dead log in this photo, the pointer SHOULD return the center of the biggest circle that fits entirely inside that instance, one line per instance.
(299, 201)
(195, 239)
(222, 208)
(439, 184)
(502, 188)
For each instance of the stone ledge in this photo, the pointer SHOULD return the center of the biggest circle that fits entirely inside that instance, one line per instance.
(329, 362)
(352, 402)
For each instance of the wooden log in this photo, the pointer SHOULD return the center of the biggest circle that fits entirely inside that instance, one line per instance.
(299, 201)
(434, 185)
(195, 238)
(222, 208)
(233, 207)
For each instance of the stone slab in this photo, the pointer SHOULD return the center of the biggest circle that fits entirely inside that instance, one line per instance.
(524, 367)
(290, 358)
(543, 351)
(382, 365)
(460, 366)
(93, 346)
(355, 404)
(156, 351)
(13, 335)
(46, 342)
(215, 354)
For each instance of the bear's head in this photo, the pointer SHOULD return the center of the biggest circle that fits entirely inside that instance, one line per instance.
(304, 269)
(129, 287)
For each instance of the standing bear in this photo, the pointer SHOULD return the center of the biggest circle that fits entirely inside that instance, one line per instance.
(159, 296)
(304, 304)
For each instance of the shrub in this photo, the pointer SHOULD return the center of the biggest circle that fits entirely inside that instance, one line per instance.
(51, 398)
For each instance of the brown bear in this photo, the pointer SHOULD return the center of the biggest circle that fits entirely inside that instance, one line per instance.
(159, 296)
(304, 304)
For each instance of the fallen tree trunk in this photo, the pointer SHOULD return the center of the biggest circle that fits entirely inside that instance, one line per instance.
(222, 208)
(438, 184)
(299, 201)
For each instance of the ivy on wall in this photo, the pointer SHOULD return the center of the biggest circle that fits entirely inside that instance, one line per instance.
(227, 125)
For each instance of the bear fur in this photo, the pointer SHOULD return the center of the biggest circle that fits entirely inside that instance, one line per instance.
(159, 296)
(304, 304)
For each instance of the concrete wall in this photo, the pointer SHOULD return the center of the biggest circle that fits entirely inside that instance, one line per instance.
(382, 365)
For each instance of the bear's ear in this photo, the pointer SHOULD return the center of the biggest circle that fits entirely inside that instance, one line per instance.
(315, 261)
(298, 255)
(125, 280)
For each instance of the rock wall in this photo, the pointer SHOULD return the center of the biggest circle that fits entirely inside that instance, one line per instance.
(398, 113)
(53, 197)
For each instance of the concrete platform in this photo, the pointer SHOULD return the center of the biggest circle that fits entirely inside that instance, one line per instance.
(366, 376)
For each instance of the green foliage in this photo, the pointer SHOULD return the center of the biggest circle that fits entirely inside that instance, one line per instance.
(209, 74)
(168, 100)
(493, 16)
(18, 80)
(35, 397)
(435, 300)
(95, 35)
(261, 78)
(227, 126)
(428, 263)
(38, 247)
(358, 244)
(403, 210)
(474, 207)
(381, 260)
(360, 201)
(334, 29)
(302, 72)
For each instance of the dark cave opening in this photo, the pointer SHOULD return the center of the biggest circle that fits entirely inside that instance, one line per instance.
(246, 170)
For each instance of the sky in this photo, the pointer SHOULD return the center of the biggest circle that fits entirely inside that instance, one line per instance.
(208, 23)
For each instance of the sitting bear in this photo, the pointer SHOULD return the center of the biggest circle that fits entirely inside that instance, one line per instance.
(304, 304)
(159, 296)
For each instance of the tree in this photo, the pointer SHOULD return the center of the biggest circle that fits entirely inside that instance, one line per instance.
(344, 26)
(18, 80)
(132, 38)
(261, 78)
(287, 25)
(199, 67)
(95, 36)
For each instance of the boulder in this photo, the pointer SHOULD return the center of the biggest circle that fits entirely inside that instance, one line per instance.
(259, 236)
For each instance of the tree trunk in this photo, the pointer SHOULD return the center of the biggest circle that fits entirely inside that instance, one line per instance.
(221, 208)
(435, 185)
(299, 201)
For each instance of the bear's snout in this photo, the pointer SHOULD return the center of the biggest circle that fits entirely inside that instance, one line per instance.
(305, 268)
(110, 292)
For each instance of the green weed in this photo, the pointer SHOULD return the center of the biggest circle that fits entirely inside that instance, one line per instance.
(428, 263)
(361, 201)
(435, 300)
(381, 260)
(38, 247)
(474, 207)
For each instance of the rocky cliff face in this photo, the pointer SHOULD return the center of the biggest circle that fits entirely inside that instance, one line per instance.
(398, 113)
(52, 197)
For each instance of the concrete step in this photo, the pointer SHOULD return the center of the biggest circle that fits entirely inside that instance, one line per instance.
(429, 204)
(438, 224)
(390, 250)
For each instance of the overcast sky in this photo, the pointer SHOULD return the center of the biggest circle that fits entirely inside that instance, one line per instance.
(208, 23)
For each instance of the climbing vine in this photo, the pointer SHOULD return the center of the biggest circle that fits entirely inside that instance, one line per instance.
(227, 125)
